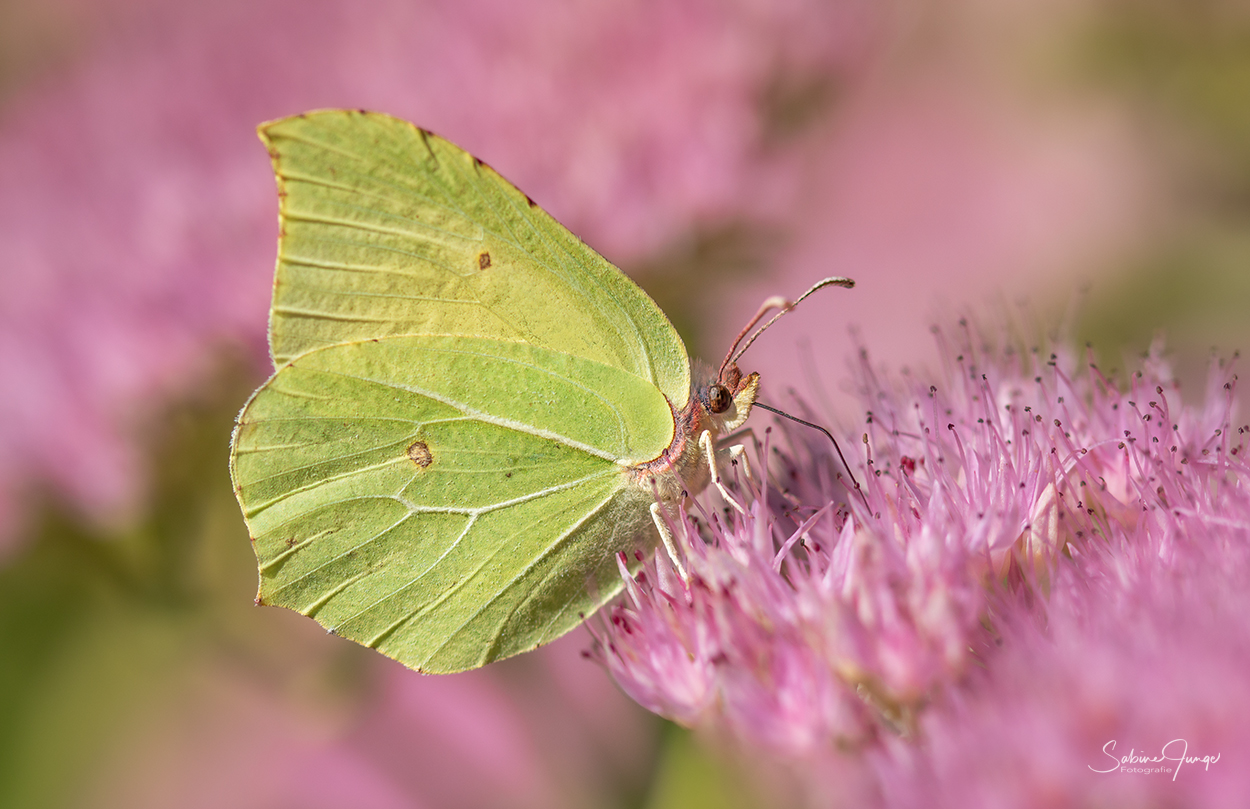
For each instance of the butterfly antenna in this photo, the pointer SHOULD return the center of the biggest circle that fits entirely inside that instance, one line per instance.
(775, 302)
(846, 465)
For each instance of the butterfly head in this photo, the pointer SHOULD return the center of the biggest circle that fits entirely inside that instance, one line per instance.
(728, 398)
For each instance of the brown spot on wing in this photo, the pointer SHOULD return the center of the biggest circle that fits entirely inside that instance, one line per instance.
(483, 260)
(419, 454)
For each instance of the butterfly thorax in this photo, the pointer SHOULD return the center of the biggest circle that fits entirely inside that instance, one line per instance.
(718, 405)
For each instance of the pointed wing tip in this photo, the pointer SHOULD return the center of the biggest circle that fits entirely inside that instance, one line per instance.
(265, 128)
(343, 120)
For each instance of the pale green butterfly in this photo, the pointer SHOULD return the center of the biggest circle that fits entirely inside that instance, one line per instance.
(473, 412)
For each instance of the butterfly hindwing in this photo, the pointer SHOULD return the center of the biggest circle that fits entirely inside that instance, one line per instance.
(448, 500)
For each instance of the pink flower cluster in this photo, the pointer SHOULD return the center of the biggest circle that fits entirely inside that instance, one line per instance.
(1041, 562)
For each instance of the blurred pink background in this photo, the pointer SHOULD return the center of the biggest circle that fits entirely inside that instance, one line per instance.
(948, 156)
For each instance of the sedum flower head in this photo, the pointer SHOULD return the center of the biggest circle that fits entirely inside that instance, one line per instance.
(1029, 540)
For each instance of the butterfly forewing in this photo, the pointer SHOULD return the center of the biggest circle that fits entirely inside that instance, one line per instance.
(388, 229)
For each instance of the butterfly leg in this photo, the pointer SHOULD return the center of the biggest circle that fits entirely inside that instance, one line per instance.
(705, 442)
(670, 544)
(738, 453)
(737, 450)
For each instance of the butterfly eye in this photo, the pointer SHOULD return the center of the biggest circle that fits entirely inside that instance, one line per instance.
(718, 398)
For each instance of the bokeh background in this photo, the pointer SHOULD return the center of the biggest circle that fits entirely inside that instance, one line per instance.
(1077, 164)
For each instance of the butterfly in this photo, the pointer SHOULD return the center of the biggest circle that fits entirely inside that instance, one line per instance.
(472, 412)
